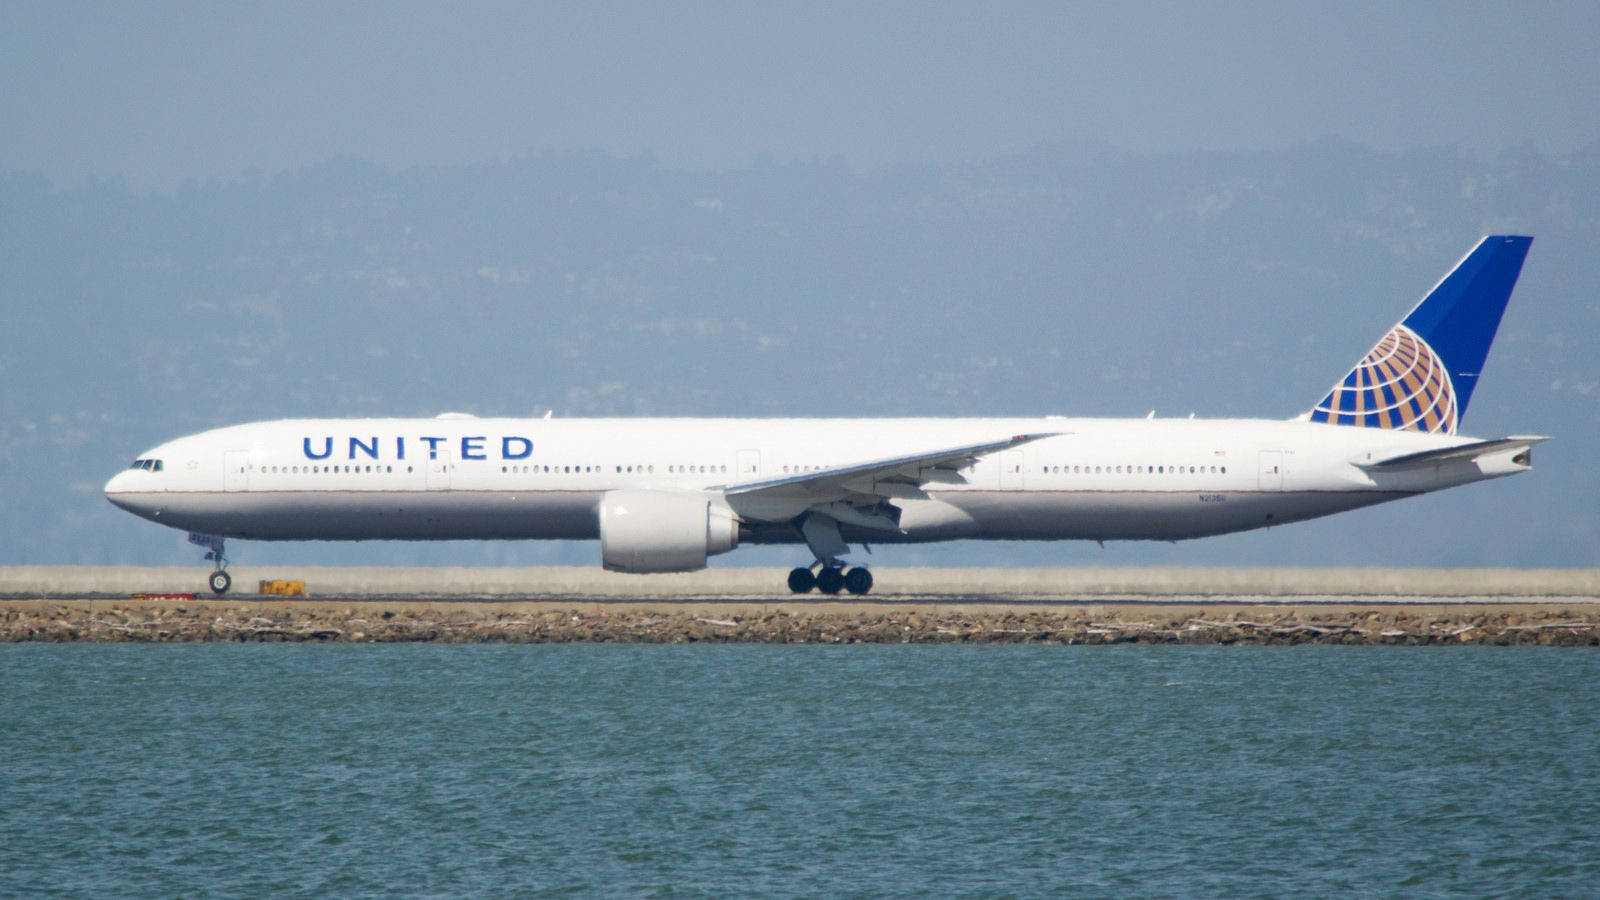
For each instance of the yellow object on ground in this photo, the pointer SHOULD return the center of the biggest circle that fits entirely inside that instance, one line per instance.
(284, 588)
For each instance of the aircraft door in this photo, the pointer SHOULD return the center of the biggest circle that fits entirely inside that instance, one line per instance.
(1271, 472)
(236, 470)
(749, 468)
(1011, 470)
(439, 471)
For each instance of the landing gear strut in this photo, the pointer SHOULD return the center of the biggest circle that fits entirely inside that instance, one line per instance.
(821, 535)
(220, 580)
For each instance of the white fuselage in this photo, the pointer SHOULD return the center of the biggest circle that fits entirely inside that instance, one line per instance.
(470, 478)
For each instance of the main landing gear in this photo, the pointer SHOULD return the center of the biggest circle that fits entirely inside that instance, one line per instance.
(821, 534)
(220, 580)
(830, 579)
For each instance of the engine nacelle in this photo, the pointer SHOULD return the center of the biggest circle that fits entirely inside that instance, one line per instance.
(663, 531)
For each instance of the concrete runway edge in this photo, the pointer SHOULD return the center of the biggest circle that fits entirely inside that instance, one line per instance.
(1166, 584)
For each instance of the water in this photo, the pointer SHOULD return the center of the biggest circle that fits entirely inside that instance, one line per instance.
(222, 769)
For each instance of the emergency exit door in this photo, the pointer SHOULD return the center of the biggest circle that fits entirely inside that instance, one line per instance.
(1271, 478)
(749, 467)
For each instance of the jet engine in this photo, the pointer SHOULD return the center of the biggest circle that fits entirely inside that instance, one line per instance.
(661, 531)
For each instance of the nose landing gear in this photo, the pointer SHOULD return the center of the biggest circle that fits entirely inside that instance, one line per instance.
(220, 580)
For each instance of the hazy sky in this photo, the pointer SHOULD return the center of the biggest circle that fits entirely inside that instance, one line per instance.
(233, 303)
(158, 92)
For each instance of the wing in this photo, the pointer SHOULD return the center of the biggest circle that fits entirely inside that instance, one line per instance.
(859, 493)
(907, 469)
(1463, 451)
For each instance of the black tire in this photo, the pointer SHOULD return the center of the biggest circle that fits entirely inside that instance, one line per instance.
(801, 581)
(220, 582)
(830, 580)
(858, 580)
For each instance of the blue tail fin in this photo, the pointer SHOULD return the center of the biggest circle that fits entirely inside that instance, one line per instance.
(1421, 374)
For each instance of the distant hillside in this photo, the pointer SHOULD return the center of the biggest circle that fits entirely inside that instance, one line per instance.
(1074, 279)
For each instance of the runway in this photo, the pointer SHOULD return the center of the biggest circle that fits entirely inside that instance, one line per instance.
(1070, 585)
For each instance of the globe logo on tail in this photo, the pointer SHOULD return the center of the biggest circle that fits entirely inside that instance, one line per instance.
(1401, 384)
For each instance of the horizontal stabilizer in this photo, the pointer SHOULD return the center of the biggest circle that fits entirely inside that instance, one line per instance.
(1463, 451)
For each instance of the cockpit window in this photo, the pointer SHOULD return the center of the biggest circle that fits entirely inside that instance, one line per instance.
(148, 465)
(158, 465)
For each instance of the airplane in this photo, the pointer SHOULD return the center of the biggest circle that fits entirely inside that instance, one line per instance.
(663, 495)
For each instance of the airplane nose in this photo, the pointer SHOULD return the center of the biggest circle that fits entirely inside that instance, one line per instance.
(119, 488)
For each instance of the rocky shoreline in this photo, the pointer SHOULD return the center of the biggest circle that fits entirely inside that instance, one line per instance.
(128, 621)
